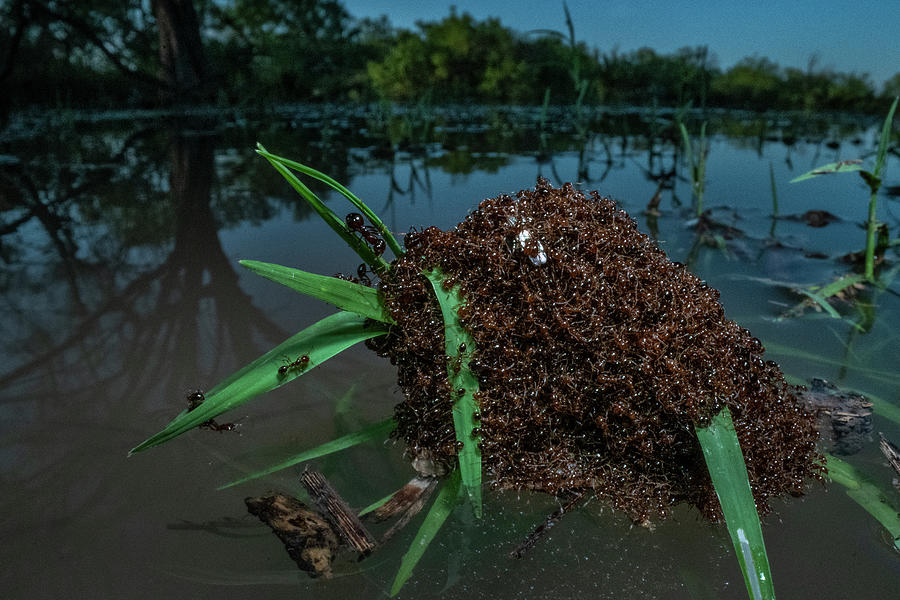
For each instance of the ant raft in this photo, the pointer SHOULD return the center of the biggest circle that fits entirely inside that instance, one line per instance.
(300, 363)
(195, 399)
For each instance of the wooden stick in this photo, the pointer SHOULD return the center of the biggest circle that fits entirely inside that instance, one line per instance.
(529, 542)
(337, 512)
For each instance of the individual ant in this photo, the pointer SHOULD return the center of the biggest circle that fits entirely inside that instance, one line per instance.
(195, 399)
(362, 275)
(300, 363)
(355, 222)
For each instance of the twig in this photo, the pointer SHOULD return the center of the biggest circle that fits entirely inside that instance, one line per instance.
(529, 542)
(337, 512)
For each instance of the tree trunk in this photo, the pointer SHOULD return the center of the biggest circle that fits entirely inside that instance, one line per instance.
(182, 60)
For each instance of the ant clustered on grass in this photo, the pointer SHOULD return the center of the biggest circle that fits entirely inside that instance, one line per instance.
(194, 400)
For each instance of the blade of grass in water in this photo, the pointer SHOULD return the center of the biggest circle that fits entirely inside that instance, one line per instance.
(375, 431)
(346, 295)
(459, 345)
(332, 220)
(846, 166)
(440, 510)
(353, 198)
(866, 494)
(728, 472)
(319, 342)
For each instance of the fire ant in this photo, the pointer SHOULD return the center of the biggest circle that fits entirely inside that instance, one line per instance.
(300, 363)
(355, 222)
(195, 399)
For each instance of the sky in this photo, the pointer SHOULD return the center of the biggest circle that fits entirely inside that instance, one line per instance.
(850, 36)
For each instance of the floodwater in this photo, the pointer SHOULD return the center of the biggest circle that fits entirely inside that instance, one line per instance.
(121, 294)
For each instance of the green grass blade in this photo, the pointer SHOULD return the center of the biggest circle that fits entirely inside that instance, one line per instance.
(459, 346)
(353, 198)
(319, 341)
(725, 462)
(375, 505)
(375, 431)
(440, 510)
(346, 295)
(865, 493)
(841, 284)
(845, 166)
(331, 219)
(884, 140)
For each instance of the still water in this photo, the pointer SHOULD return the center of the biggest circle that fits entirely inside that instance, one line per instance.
(121, 294)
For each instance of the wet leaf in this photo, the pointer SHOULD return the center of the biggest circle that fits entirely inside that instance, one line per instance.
(319, 342)
(865, 493)
(440, 510)
(728, 472)
(353, 198)
(844, 166)
(459, 345)
(376, 431)
(331, 219)
(346, 295)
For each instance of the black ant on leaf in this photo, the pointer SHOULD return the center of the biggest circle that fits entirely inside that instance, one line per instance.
(300, 363)
(195, 399)
(355, 222)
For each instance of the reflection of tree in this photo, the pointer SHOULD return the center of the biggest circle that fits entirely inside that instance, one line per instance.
(125, 344)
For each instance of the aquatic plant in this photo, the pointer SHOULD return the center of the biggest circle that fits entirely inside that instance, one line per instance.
(546, 344)
(696, 157)
(873, 179)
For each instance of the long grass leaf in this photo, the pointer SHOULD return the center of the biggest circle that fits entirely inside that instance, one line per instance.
(440, 510)
(841, 284)
(728, 472)
(353, 198)
(459, 345)
(844, 166)
(319, 342)
(331, 219)
(346, 295)
(868, 495)
(375, 431)
(884, 141)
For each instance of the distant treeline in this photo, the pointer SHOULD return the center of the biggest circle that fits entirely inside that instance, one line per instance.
(131, 53)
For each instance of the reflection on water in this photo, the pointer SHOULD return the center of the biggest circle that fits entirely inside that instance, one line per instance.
(121, 293)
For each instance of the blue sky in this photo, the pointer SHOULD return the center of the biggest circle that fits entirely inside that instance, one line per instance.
(861, 36)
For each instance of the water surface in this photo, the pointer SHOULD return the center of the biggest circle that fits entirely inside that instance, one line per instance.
(121, 293)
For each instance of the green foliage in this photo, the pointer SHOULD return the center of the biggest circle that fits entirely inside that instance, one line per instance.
(455, 59)
(872, 179)
(725, 462)
(376, 431)
(459, 345)
(346, 295)
(443, 505)
(284, 166)
(319, 342)
(696, 156)
(868, 495)
(106, 54)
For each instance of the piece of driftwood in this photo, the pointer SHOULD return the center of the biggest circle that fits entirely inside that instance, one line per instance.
(341, 517)
(306, 535)
(892, 454)
(410, 499)
(844, 418)
(529, 542)
(403, 498)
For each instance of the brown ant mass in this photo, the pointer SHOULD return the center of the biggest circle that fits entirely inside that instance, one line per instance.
(594, 365)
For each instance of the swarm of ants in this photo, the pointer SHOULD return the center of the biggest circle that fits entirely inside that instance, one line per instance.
(596, 357)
